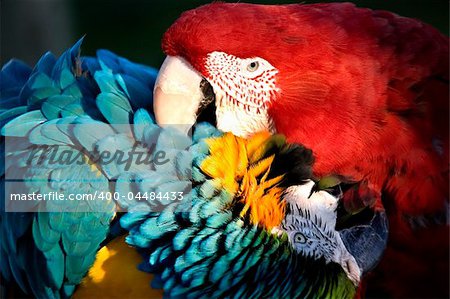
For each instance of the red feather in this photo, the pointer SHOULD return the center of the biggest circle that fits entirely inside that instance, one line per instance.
(368, 92)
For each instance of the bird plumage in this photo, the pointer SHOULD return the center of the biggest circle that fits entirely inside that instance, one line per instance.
(224, 237)
(69, 106)
(219, 242)
(366, 90)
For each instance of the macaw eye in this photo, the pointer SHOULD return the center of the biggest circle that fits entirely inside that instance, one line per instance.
(253, 66)
(299, 238)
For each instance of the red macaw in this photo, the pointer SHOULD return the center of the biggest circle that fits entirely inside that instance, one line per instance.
(366, 90)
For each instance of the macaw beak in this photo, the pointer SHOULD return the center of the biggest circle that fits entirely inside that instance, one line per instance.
(361, 223)
(179, 93)
(366, 240)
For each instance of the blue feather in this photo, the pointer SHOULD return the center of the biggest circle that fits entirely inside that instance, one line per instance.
(182, 237)
(108, 60)
(115, 108)
(141, 120)
(89, 132)
(14, 73)
(218, 220)
(64, 64)
(149, 229)
(53, 107)
(140, 96)
(204, 130)
(44, 236)
(219, 269)
(154, 259)
(23, 124)
(7, 115)
(146, 75)
(183, 165)
(45, 64)
(49, 134)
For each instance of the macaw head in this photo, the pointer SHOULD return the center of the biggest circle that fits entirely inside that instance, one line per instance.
(257, 64)
(270, 181)
(207, 51)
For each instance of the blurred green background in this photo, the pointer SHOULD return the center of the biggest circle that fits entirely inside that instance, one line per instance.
(133, 28)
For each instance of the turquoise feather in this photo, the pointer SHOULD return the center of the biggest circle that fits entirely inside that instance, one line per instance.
(48, 253)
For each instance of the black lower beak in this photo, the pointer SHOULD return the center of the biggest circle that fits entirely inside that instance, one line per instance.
(207, 110)
(367, 241)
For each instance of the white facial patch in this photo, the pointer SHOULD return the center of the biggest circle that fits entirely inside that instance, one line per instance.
(243, 88)
(310, 226)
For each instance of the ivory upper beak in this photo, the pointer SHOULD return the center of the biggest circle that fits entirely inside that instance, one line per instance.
(177, 94)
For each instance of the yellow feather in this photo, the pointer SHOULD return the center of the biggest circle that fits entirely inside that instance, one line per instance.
(242, 162)
(262, 166)
(255, 143)
(115, 275)
(272, 182)
(273, 141)
(242, 168)
(227, 160)
(212, 168)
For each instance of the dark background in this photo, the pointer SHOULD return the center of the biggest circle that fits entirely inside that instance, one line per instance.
(133, 28)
